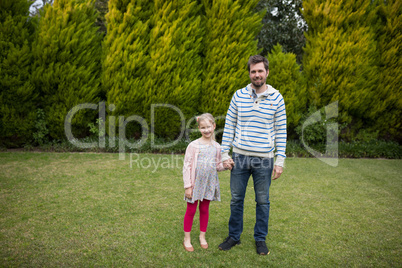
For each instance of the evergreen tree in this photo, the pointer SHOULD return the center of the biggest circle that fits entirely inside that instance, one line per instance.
(175, 64)
(125, 77)
(67, 51)
(230, 31)
(285, 76)
(283, 23)
(340, 59)
(17, 94)
(388, 106)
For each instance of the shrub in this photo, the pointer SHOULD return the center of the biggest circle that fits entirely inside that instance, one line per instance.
(40, 136)
(341, 60)
(231, 27)
(285, 76)
(18, 96)
(67, 53)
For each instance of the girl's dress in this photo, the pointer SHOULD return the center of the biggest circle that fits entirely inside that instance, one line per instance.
(206, 184)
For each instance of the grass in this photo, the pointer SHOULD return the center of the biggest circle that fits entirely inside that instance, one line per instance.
(94, 210)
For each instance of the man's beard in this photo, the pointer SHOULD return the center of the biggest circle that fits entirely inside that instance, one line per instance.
(258, 84)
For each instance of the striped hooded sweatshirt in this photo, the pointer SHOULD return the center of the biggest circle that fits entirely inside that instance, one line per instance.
(255, 125)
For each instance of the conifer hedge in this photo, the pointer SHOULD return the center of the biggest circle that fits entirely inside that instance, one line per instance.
(230, 31)
(285, 76)
(17, 95)
(67, 53)
(389, 93)
(125, 78)
(340, 61)
(175, 65)
(192, 56)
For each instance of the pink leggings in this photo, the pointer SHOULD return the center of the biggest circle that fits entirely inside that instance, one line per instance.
(190, 212)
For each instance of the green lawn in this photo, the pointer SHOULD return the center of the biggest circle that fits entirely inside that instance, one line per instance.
(94, 210)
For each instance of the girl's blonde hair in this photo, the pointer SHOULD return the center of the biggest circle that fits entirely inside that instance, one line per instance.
(207, 116)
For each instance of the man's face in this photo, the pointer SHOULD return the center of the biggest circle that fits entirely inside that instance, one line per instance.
(258, 74)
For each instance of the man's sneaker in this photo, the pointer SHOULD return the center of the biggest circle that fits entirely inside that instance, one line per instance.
(261, 248)
(228, 243)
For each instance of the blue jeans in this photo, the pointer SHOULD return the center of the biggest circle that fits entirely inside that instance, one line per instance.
(261, 170)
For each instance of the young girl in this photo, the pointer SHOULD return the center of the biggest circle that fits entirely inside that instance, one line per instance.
(201, 163)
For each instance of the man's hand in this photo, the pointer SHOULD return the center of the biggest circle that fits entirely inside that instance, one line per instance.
(277, 172)
(228, 164)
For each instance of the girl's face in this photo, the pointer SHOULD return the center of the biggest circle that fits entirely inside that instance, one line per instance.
(206, 128)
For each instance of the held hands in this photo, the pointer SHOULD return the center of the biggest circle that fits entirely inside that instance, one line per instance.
(276, 173)
(228, 164)
(188, 192)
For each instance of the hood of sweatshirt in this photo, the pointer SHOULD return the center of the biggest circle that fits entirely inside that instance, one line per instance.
(270, 90)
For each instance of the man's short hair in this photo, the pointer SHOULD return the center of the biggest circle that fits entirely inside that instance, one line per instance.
(257, 59)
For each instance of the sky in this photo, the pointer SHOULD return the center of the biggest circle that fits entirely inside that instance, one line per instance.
(37, 3)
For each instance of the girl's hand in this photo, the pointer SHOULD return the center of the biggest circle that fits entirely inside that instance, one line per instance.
(188, 193)
(228, 164)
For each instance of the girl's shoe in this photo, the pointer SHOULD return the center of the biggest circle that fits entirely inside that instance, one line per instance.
(189, 249)
(204, 246)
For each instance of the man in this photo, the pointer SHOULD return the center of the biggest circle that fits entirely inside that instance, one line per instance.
(255, 124)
